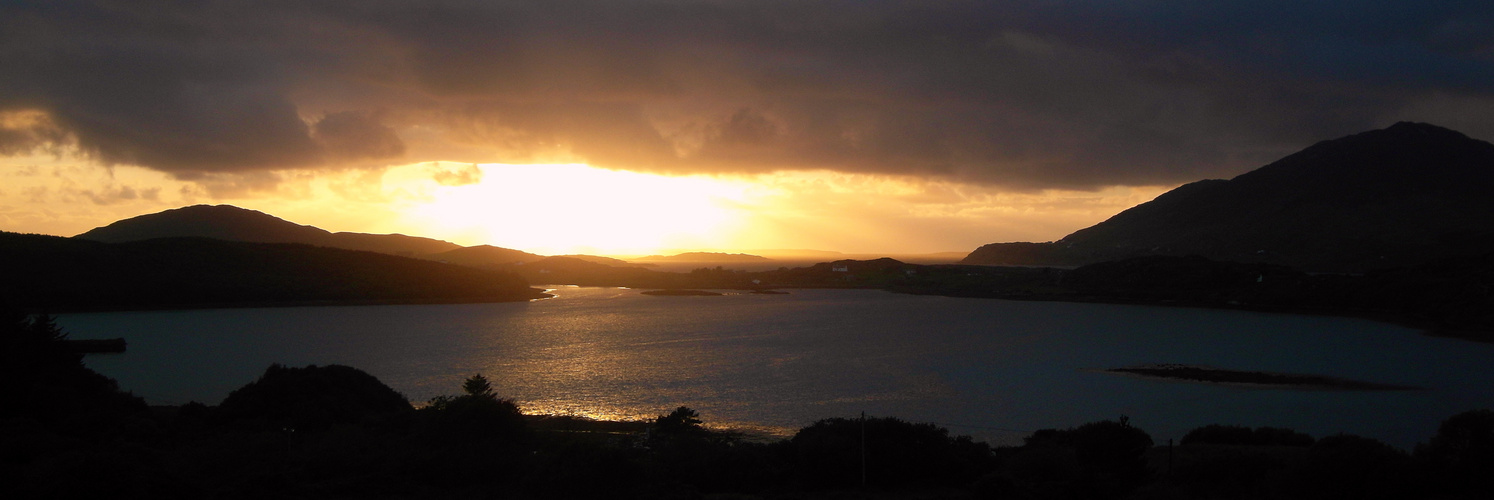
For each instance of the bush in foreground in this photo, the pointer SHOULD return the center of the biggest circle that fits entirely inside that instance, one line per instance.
(311, 399)
(897, 454)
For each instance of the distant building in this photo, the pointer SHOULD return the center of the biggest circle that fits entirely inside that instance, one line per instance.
(840, 269)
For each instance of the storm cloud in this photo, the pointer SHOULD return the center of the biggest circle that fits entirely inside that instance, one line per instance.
(1020, 94)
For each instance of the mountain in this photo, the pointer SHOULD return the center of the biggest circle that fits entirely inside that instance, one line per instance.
(227, 222)
(597, 259)
(1404, 195)
(53, 273)
(704, 257)
(797, 254)
(485, 256)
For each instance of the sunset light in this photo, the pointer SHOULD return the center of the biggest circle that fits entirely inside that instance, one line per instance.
(561, 209)
(746, 249)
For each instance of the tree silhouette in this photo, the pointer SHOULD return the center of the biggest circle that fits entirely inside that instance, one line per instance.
(311, 398)
(1462, 452)
(1349, 466)
(478, 386)
(888, 452)
(1105, 459)
(46, 380)
(682, 420)
(478, 414)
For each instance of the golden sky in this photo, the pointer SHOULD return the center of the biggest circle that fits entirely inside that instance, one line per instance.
(572, 208)
(861, 126)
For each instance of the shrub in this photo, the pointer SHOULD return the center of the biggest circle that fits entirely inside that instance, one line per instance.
(311, 398)
(1348, 466)
(897, 454)
(1239, 435)
(1462, 452)
(1104, 459)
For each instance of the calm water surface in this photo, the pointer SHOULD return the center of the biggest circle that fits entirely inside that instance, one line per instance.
(990, 368)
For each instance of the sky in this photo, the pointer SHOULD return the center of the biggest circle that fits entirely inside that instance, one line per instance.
(618, 127)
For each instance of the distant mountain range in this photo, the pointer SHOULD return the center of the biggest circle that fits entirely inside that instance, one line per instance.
(704, 257)
(231, 223)
(219, 256)
(1404, 195)
(227, 222)
(484, 256)
(54, 274)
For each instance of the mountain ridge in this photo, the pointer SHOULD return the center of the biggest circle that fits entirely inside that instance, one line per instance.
(231, 223)
(1403, 195)
(52, 273)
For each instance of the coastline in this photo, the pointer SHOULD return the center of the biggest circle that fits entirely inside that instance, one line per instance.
(1427, 326)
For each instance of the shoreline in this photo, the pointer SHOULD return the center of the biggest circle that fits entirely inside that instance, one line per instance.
(1426, 326)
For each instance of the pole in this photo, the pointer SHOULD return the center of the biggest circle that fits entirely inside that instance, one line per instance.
(863, 449)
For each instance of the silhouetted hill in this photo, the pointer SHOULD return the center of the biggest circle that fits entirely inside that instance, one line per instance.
(71, 274)
(395, 244)
(712, 257)
(603, 260)
(227, 222)
(797, 254)
(485, 256)
(1404, 195)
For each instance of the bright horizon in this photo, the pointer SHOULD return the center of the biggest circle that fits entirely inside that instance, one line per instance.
(631, 128)
(554, 209)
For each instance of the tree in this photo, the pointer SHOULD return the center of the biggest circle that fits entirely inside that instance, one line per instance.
(311, 398)
(1105, 459)
(887, 452)
(478, 386)
(39, 368)
(476, 415)
(1349, 466)
(1462, 452)
(682, 420)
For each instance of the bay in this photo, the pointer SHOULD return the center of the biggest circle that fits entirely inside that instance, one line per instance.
(992, 369)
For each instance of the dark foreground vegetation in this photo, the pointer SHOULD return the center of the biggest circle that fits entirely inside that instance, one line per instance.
(337, 432)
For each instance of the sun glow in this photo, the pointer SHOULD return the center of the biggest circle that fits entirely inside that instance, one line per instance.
(569, 208)
(559, 209)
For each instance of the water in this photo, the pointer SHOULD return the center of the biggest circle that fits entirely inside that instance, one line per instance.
(989, 368)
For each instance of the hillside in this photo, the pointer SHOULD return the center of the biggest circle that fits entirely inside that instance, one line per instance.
(704, 257)
(227, 222)
(484, 256)
(1405, 195)
(68, 274)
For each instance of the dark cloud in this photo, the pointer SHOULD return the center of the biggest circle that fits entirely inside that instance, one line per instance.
(352, 135)
(27, 132)
(1023, 94)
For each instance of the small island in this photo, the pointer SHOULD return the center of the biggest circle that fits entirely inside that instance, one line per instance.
(681, 293)
(1195, 373)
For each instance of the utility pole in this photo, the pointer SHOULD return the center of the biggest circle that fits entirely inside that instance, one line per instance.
(863, 450)
(1169, 456)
